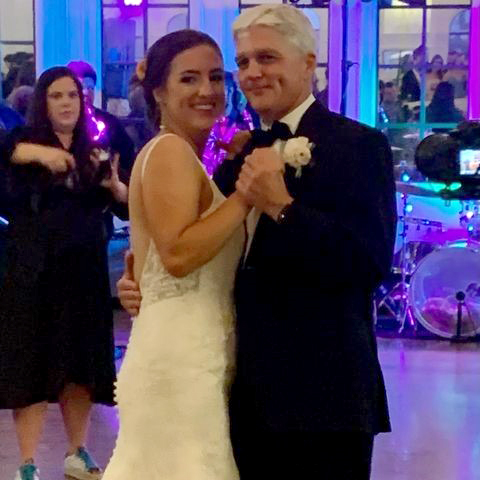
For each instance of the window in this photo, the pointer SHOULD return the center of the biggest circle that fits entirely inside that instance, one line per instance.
(127, 35)
(423, 71)
(16, 45)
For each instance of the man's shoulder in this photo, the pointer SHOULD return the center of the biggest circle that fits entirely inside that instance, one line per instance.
(338, 128)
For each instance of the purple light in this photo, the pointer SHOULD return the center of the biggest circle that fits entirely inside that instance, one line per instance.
(335, 55)
(474, 74)
(132, 3)
(96, 128)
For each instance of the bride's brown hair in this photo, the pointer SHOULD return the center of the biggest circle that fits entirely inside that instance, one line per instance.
(159, 59)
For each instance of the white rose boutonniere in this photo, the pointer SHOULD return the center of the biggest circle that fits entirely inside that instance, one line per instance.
(297, 153)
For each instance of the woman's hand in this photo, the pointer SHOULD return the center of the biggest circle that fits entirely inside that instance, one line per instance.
(56, 160)
(236, 144)
(111, 181)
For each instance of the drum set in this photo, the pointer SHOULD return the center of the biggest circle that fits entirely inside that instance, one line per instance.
(437, 269)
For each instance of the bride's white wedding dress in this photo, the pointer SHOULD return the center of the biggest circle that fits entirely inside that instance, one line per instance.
(173, 385)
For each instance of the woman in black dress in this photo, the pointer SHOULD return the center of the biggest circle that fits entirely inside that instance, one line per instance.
(56, 333)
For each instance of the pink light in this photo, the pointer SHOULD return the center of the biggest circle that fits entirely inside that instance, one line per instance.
(132, 3)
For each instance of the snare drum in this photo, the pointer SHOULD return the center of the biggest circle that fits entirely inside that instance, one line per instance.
(440, 275)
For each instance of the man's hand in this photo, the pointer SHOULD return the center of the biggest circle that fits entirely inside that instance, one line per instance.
(128, 289)
(261, 181)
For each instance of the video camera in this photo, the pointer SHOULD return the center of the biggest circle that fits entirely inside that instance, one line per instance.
(453, 157)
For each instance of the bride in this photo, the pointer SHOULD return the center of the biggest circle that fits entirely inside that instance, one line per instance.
(187, 240)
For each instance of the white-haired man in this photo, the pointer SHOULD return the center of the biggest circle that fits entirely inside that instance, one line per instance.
(308, 396)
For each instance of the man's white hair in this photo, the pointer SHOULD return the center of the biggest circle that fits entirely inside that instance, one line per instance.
(285, 19)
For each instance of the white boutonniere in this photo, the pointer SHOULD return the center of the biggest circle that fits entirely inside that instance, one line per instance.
(297, 153)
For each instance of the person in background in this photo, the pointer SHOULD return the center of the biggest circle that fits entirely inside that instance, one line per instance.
(410, 89)
(442, 108)
(113, 137)
(456, 73)
(434, 76)
(56, 325)
(20, 99)
(139, 127)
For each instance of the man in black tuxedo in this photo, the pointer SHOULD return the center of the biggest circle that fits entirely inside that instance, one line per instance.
(410, 89)
(309, 394)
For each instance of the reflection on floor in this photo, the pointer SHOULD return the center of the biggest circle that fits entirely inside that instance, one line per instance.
(434, 393)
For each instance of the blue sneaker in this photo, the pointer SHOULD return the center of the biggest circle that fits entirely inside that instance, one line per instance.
(81, 466)
(27, 472)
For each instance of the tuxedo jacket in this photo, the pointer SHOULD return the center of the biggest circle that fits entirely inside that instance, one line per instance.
(307, 353)
(410, 89)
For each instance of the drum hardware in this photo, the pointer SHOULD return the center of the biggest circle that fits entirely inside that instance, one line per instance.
(460, 297)
(444, 293)
(396, 300)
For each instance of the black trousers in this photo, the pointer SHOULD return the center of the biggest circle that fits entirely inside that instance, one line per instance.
(302, 455)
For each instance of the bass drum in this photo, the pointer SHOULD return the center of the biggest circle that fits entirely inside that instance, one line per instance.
(436, 281)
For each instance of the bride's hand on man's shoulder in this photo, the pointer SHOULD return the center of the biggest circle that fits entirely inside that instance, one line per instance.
(236, 144)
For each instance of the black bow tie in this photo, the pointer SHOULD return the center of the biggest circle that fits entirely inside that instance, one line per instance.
(266, 138)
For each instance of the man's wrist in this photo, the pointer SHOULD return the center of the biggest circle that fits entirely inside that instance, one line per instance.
(274, 211)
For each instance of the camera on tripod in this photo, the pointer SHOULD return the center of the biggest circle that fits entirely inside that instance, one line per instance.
(453, 157)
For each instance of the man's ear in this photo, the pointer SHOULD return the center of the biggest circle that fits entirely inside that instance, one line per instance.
(311, 62)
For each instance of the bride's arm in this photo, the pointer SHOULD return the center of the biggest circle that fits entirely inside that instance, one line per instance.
(171, 189)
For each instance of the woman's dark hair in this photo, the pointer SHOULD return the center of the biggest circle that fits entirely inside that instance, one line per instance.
(442, 107)
(39, 121)
(159, 59)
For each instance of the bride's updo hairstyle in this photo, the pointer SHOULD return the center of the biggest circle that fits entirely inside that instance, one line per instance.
(287, 20)
(154, 70)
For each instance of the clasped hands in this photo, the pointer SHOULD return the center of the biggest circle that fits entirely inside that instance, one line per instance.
(261, 182)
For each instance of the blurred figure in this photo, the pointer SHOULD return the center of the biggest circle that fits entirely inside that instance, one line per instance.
(15, 63)
(107, 130)
(434, 75)
(56, 325)
(392, 111)
(114, 135)
(391, 104)
(138, 126)
(9, 118)
(20, 99)
(442, 107)
(456, 74)
(410, 89)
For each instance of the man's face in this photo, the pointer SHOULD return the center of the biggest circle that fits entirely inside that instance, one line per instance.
(274, 74)
(88, 90)
(418, 59)
(390, 94)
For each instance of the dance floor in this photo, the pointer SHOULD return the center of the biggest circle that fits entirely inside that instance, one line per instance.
(434, 392)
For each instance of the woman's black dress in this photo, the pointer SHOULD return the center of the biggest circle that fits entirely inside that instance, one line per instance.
(55, 307)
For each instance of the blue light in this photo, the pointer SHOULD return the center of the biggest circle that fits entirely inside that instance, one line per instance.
(409, 208)
(470, 228)
(405, 177)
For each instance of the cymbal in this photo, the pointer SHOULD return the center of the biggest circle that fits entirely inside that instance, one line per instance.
(410, 189)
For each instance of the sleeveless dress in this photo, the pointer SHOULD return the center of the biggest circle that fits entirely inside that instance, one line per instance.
(172, 389)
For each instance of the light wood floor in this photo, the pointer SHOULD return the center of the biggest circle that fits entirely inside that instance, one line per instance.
(434, 394)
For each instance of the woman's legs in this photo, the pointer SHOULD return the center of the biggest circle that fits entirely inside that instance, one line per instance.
(29, 424)
(76, 405)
